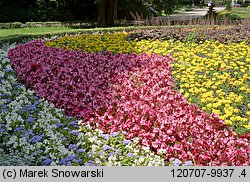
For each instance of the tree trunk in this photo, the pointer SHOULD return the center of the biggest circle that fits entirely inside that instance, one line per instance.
(115, 9)
(102, 13)
(110, 13)
(106, 13)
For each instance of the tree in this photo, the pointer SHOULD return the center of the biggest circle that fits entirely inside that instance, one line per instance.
(106, 12)
(107, 9)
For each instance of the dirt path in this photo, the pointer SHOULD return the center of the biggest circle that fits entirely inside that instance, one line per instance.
(187, 15)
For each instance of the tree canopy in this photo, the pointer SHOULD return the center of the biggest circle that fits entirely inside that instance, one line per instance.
(103, 11)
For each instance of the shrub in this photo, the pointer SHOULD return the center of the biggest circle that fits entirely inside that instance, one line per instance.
(33, 14)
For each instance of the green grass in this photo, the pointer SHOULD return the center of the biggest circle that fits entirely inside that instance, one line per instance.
(19, 33)
(33, 31)
(16, 35)
(241, 12)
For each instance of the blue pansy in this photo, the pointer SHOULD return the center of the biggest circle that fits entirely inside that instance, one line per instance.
(74, 123)
(3, 110)
(34, 153)
(106, 137)
(58, 125)
(73, 146)
(69, 117)
(31, 119)
(177, 162)
(47, 161)
(9, 100)
(115, 134)
(44, 157)
(130, 155)
(36, 138)
(69, 158)
(32, 107)
(81, 150)
(74, 132)
(127, 142)
(63, 139)
(62, 162)
(36, 103)
(19, 129)
(28, 133)
(106, 147)
(188, 163)
(116, 152)
(90, 163)
(77, 160)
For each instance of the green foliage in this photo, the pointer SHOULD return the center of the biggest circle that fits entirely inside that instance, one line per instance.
(228, 6)
(191, 37)
(232, 16)
(128, 7)
(162, 5)
(14, 159)
(33, 14)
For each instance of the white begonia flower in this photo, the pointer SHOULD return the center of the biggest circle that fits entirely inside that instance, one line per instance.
(136, 151)
(162, 151)
(146, 148)
(141, 160)
(62, 150)
(97, 161)
(53, 163)
(8, 67)
(95, 148)
(136, 139)
(99, 142)
(129, 147)
(92, 139)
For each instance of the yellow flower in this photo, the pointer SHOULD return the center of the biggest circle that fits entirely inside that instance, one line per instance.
(248, 113)
(228, 122)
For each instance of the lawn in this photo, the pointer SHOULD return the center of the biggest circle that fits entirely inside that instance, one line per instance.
(242, 12)
(237, 13)
(18, 32)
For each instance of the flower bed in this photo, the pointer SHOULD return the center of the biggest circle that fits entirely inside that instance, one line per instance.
(133, 93)
(210, 74)
(35, 129)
